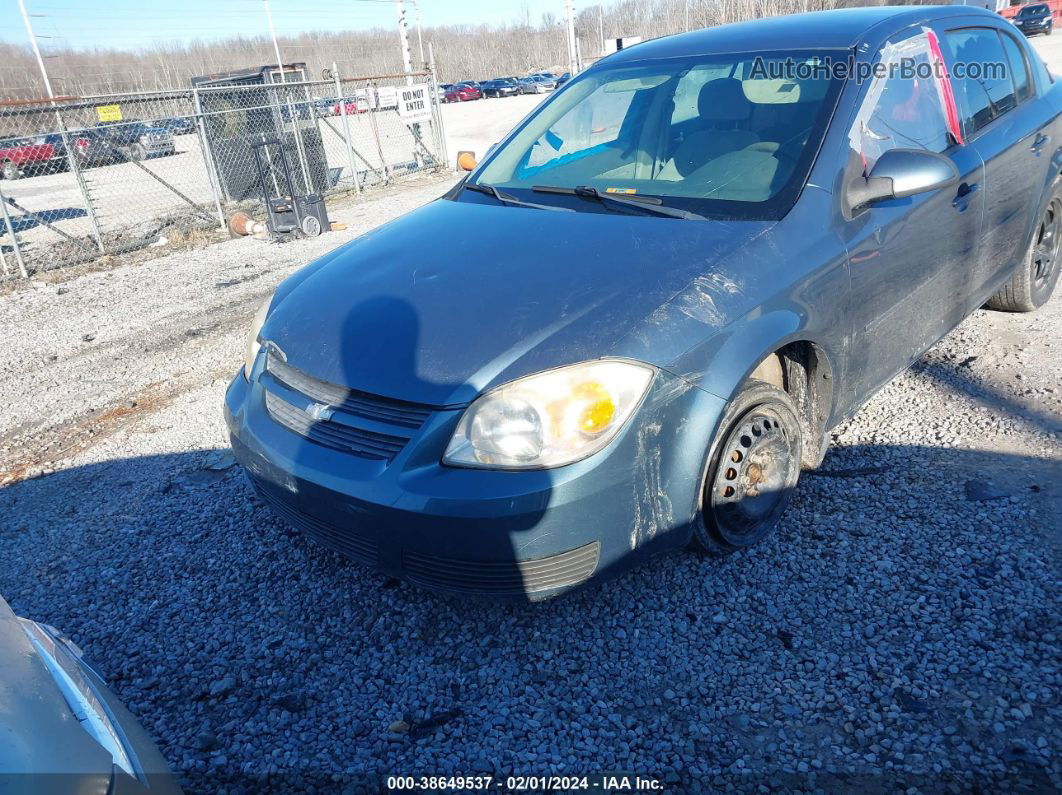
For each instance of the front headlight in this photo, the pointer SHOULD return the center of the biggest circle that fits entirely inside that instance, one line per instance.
(549, 419)
(81, 696)
(252, 346)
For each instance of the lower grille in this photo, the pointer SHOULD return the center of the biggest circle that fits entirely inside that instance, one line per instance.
(503, 578)
(345, 542)
(361, 442)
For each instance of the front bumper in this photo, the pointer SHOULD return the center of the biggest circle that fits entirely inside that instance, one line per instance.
(522, 535)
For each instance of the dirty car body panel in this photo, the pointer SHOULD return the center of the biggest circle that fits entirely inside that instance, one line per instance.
(367, 361)
(46, 744)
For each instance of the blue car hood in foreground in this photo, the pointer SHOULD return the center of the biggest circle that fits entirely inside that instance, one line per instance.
(459, 296)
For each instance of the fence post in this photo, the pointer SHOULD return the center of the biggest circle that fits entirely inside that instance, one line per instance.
(374, 104)
(207, 154)
(443, 155)
(346, 127)
(82, 184)
(14, 240)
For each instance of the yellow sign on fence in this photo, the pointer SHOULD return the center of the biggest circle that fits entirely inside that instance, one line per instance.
(109, 113)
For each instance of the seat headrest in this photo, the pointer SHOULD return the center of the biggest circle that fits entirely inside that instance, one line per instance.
(723, 99)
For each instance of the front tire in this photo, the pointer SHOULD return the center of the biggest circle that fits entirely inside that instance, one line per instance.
(753, 470)
(9, 170)
(1033, 282)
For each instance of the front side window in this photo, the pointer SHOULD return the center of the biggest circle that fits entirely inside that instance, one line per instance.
(730, 134)
(983, 87)
(905, 106)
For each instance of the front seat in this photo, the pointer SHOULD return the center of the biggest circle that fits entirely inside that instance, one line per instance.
(724, 111)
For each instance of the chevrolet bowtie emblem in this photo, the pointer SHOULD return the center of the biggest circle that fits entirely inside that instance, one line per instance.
(320, 411)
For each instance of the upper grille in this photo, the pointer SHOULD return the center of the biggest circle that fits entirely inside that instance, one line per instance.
(361, 442)
(361, 404)
(503, 578)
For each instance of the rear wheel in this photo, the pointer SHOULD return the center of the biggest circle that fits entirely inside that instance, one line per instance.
(1035, 279)
(9, 170)
(137, 152)
(753, 470)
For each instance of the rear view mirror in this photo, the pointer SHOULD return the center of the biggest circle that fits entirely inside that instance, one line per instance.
(900, 173)
(466, 161)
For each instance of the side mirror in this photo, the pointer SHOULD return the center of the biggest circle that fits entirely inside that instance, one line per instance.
(466, 161)
(900, 173)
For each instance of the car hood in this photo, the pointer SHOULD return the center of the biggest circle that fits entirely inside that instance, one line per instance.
(38, 732)
(456, 296)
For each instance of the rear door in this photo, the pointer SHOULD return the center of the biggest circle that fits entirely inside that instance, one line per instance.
(1008, 125)
(908, 258)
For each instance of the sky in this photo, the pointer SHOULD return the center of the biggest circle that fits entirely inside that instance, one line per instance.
(129, 24)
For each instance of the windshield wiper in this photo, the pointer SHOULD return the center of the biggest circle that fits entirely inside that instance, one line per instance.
(646, 204)
(505, 198)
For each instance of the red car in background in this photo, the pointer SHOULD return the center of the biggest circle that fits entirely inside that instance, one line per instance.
(462, 92)
(23, 154)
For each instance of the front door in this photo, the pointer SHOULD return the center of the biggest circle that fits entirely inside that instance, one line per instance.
(908, 257)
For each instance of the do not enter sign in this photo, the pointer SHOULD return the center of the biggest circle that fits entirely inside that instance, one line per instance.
(413, 104)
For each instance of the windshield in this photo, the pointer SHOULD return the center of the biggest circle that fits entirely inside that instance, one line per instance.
(729, 135)
(1029, 11)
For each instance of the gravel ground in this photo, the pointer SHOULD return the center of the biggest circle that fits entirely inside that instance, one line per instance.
(899, 633)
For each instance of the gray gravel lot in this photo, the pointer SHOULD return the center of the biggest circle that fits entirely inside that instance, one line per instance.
(900, 633)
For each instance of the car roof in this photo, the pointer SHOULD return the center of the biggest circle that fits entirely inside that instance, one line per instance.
(831, 30)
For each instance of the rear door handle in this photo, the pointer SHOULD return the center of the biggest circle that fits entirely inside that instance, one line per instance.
(1039, 142)
(963, 194)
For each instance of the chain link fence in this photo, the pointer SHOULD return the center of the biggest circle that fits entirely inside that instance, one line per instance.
(107, 175)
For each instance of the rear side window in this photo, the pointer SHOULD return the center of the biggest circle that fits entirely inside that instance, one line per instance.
(1019, 70)
(981, 77)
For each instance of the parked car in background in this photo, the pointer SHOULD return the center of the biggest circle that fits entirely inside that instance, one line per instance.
(564, 78)
(463, 92)
(61, 729)
(501, 87)
(23, 156)
(1034, 18)
(350, 105)
(137, 140)
(528, 85)
(58, 160)
(94, 147)
(735, 263)
(178, 125)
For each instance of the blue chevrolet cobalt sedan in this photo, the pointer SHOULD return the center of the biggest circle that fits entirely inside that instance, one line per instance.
(744, 233)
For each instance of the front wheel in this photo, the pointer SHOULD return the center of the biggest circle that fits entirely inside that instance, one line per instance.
(753, 469)
(1035, 279)
(9, 170)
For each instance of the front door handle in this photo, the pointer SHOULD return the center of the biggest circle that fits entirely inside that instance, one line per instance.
(963, 194)
(1039, 142)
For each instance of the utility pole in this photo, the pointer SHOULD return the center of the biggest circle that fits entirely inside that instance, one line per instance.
(404, 40)
(687, 14)
(601, 26)
(71, 159)
(273, 35)
(420, 33)
(36, 49)
(569, 9)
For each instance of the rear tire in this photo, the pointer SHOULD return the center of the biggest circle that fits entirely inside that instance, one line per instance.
(752, 472)
(137, 152)
(1033, 282)
(9, 170)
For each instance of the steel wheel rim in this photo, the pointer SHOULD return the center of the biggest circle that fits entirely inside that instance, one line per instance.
(1045, 250)
(758, 466)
